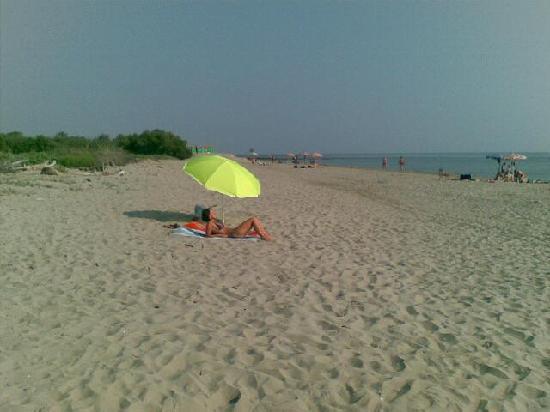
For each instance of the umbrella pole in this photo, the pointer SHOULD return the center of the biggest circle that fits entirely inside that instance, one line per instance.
(223, 216)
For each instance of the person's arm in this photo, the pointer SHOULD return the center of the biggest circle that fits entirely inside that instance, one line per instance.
(212, 230)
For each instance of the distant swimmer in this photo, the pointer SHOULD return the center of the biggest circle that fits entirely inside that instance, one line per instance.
(385, 162)
(401, 163)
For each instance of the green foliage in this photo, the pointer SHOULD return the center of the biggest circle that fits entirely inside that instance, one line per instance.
(60, 168)
(105, 156)
(78, 159)
(31, 157)
(35, 157)
(15, 142)
(62, 140)
(103, 141)
(78, 151)
(155, 142)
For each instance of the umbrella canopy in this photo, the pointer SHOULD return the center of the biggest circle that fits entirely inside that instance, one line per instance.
(317, 154)
(222, 175)
(515, 157)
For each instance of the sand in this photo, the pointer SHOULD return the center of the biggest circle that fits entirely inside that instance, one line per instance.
(381, 292)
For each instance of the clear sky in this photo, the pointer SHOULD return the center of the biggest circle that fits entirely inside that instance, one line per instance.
(329, 76)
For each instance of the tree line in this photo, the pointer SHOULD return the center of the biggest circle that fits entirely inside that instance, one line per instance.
(148, 142)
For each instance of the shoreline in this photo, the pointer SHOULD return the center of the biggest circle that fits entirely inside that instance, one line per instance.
(452, 176)
(479, 165)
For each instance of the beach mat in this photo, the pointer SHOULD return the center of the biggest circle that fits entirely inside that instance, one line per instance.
(183, 231)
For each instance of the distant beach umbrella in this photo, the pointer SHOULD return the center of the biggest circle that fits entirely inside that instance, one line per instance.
(316, 154)
(290, 154)
(515, 157)
(304, 156)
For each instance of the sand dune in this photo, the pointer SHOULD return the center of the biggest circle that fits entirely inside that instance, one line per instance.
(381, 292)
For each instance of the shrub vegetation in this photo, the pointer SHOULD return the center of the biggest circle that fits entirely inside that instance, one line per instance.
(79, 151)
(154, 142)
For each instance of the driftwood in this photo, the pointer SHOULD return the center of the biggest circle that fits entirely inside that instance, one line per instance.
(49, 169)
(17, 166)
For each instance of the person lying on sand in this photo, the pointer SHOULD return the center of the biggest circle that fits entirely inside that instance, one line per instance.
(215, 228)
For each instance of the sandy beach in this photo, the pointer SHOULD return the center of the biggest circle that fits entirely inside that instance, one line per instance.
(381, 292)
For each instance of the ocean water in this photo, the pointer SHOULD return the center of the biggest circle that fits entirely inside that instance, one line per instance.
(537, 165)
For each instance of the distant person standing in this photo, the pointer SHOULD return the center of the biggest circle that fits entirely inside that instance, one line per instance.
(401, 163)
(385, 162)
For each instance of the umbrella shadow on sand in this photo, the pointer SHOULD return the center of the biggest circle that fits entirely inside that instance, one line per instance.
(159, 215)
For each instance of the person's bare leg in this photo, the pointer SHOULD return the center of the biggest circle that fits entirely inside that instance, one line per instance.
(252, 223)
(259, 227)
(243, 228)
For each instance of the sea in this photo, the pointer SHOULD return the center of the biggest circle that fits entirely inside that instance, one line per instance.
(537, 165)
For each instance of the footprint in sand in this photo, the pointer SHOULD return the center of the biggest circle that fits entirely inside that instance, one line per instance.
(428, 325)
(333, 373)
(411, 310)
(485, 369)
(376, 366)
(327, 326)
(352, 395)
(356, 362)
(230, 356)
(226, 396)
(531, 392)
(522, 372)
(448, 338)
(398, 363)
(404, 389)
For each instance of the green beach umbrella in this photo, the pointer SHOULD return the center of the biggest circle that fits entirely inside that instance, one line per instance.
(223, 175)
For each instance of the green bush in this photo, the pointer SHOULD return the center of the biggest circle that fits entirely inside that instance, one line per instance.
(78, 151)
(30, 157)
(155, 142)
(42, 144)
(93, 159)
(63, 140)
(112, 156)
(78, 159)
(36, 157)
(102, 142)
(15, 142)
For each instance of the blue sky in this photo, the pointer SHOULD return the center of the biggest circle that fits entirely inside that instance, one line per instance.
(329, 76)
